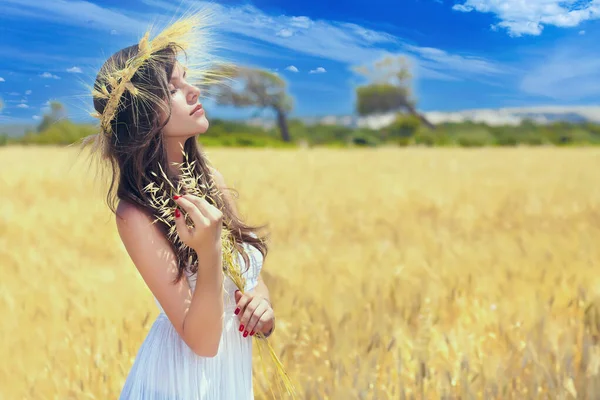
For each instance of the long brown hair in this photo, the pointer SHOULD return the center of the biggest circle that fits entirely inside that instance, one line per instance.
(136, 152)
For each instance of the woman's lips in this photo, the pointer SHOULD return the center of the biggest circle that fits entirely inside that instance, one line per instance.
(198, 110)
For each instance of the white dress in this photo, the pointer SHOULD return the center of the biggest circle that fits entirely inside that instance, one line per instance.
(165, 368)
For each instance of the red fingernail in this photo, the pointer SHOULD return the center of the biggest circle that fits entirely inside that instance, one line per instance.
(177, 213)
(252, 333)
(245, 333)
(241, 328)
(176, 197)
(237, 311)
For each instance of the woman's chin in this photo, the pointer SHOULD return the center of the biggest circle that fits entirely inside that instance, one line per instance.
(203, 125)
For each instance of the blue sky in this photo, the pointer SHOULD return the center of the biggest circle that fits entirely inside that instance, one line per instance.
(465, 54)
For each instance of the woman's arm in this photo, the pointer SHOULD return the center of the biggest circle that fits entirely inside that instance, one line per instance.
(261, 288)
(197, 315)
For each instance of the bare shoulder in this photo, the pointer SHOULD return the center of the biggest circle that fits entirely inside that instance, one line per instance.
(138, 232)
(128, 213)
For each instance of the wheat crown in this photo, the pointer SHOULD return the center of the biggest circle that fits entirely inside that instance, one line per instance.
(191, 33)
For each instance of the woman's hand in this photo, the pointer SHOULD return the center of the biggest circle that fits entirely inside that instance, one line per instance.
(207, 219)
(255, 313)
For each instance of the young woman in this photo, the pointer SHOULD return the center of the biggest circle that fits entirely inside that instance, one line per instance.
(200, 346)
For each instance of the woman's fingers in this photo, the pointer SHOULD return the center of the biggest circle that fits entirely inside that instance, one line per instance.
(257, 319)
(241, 310)
(241, 305)
(208, 210)
(251, 315)
(207, 224)
(182, 229)
(198, 218)
(254, 313)
(266, 317)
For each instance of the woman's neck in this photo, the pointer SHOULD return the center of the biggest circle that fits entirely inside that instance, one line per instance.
(174, 155)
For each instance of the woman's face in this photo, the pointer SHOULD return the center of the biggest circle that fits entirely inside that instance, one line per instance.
(187, 115)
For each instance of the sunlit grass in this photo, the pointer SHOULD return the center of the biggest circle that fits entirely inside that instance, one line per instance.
(425, 273)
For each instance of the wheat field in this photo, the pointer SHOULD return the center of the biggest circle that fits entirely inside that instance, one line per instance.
(394, 273)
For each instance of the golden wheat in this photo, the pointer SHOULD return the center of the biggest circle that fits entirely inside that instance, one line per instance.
(395, 273)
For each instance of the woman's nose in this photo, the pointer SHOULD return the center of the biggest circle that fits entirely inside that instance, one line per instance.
(193, 95)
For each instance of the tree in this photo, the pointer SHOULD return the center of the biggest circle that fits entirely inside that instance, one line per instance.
(259, 88)
(57, 112)
(388, 89)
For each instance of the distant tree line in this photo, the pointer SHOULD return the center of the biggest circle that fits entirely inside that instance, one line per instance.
(387, 90)
(406, 130)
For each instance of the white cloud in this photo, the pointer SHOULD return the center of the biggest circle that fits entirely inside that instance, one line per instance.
(22, 105)
(74, 13)
(28, 92)
(433, 58)
(491, 116)
(14, 93)
(556, 76)
(462, 7)
(285, 33)
(34, 59)
(74, 70)
(582, 32)
(36, 117)
(301, 22)
(114, 32)
(292, 68)
(529, 17)
(2, 79)
(368, 35)
(319, 70)
(514, 115)
(49, 75)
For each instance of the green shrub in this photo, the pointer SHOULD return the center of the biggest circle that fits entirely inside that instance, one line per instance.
(242, 140)
(60, 133)
(474, 137)
(505, 136)
(432, 137)
(365, 138)
(402, 130)
(562, 134)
